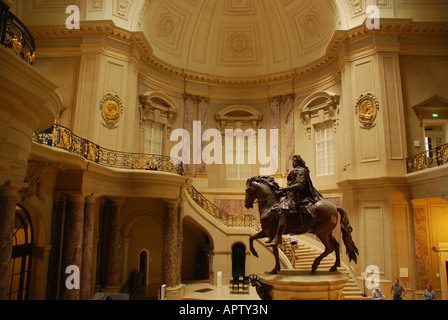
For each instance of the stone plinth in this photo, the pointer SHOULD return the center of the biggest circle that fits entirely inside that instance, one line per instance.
(302, 285)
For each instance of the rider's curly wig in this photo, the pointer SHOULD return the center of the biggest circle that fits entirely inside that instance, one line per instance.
(301, 161)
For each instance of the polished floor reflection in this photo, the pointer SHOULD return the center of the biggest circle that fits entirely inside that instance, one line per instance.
(198, 291)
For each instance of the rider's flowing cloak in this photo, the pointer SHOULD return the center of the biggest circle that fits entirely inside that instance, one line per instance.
(305, 190)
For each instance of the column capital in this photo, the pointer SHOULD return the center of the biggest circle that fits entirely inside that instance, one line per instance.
(118, 202)
(172, 203)
(91, 198)
(77, 197)
(8, 190)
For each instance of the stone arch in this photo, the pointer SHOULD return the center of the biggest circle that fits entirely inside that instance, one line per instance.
(144, 231)
(238, 259)
(197, 247)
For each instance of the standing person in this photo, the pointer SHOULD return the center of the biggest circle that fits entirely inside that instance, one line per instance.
(397, 290)
(429, 294)
(377, 294)
(293, 240)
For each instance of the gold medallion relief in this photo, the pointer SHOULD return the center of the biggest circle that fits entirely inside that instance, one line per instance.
(366, 108)
(111, 108)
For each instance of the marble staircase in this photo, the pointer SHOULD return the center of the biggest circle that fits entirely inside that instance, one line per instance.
(304, 258)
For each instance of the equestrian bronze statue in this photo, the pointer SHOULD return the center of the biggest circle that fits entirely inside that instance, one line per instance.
(297, 209)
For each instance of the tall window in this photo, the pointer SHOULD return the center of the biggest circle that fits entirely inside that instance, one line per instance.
(153, 138)
(19, 274)
(237, 159)
(324, 149)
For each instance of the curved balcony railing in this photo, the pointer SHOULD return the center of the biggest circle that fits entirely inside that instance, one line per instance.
(15, 35)
(62, 138)
(230, 220)
(431, 158)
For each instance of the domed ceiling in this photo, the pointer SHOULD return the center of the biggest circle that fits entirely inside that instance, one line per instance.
(239, 38)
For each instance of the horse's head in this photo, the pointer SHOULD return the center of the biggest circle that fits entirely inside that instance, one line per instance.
(264, 187)
(251, 194)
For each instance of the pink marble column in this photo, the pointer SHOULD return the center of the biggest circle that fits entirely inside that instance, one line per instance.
(8, 201)
(188, 126)
(87, 248)
(73, 239)
(289, 131)
(113, 277)
(171, 245)
(180, 239)
(56, 243)
(275, 120)
(202, 117)
(422, 249)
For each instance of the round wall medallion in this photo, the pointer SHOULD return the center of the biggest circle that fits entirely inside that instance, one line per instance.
(166, 26)
(367, 108)
(111, 107)
(239, 44)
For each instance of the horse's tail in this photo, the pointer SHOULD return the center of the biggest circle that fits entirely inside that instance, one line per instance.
(346, 228)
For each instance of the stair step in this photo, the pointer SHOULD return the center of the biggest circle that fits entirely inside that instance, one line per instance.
(304, 258)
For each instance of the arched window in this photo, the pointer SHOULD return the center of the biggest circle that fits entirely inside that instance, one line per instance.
(20, 268)
(143, 266)
(238, 260)
(239, 156)
(320, 113)
(157, 117)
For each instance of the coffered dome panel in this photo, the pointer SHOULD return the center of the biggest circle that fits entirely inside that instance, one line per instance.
(239, 38)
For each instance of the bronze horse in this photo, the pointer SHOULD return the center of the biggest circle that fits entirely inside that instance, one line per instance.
(268, 195)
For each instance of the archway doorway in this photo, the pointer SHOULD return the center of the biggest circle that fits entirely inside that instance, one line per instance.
(238, 260)
(143, 267)
(20, 267)
(196, 249)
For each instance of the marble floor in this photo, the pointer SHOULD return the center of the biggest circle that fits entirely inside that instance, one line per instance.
(205, 291)
(198, 291)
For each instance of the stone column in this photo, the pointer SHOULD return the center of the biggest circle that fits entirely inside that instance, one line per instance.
(188, 126)
(87, 248)
(180, 239)
(8, 201)
(289, 131)
(275, 123)
(113, 277)
(56, 242)
(172, 277)
(202, 115)
(73, 239)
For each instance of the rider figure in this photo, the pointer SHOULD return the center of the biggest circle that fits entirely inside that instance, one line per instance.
(300, 194)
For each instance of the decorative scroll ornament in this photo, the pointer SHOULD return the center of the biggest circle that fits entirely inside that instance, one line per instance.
(367, 108)
(111, 107)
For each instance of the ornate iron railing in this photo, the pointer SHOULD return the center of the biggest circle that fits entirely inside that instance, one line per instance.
(431, 158)
(230, 220)
(62, 138)
(15, 35)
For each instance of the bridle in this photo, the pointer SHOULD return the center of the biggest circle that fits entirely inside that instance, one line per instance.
(275, 196)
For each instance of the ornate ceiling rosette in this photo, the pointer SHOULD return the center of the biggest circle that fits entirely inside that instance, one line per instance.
(366, 109)
(111, 107)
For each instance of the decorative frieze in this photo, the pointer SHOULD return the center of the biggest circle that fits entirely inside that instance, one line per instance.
(339, 41)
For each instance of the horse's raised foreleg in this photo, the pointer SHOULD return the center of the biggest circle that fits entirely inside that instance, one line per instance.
(256, 236)
(277, 261)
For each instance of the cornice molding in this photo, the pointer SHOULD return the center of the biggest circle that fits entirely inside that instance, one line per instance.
(340, 39)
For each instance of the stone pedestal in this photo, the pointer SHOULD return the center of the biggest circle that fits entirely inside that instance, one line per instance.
(302, 285)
